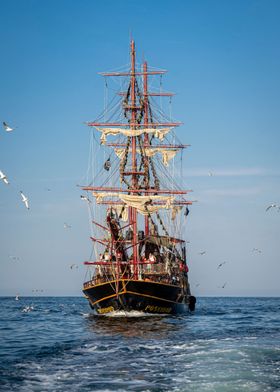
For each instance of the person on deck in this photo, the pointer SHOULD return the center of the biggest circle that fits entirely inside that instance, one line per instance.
(151, 260)
(106, 256)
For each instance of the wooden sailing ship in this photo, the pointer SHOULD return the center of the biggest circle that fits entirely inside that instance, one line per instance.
(139, 260)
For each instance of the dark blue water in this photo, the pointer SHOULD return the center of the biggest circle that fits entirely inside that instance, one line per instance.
(229, 344)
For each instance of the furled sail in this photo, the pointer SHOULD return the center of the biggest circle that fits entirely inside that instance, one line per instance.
(100, 196)
(122, 212)
(167, 153)
(158, 132)
(174, 211)
(143, 203)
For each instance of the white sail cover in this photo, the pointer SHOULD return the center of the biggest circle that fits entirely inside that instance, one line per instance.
(167, 153)
(142, 203)
(122, 212)
(100, 196)
(158, 132)
(174, 211)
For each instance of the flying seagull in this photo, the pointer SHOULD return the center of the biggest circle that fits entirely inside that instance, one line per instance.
(273, 205)
(210, 174)
(256, 250)
(221, 264)
(107, 164)
(14, 258)
(7, 127)
(3, 177)
(73, 265)
(202, 253)
(85, 198)
(224, 285)
(66, 226)
(24, 200)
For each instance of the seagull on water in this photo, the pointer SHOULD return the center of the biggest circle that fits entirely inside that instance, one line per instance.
(27, 309)
(24, 200)
(202, 253)
(7, 127)
(221, 264)
(3, 177)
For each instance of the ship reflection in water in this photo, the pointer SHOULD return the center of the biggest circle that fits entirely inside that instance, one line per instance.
(134, 326)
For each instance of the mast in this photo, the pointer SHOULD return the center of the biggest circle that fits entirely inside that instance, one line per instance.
(146, 137)
(133, 211)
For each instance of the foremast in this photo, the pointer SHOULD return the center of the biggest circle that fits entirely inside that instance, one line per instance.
(141, 179)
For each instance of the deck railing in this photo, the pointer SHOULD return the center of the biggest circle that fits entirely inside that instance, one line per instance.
(146, 271)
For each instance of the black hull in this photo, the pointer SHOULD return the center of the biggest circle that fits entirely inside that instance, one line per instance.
(135, 295)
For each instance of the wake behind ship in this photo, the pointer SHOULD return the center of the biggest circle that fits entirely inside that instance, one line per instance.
(137, 210)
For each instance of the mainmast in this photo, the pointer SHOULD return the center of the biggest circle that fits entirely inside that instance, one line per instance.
(133, 211)
(146, 137)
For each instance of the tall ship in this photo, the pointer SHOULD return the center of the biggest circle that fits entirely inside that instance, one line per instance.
(138, 212)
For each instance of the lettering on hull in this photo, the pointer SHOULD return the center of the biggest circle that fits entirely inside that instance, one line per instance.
(105, 310)
(157, 309)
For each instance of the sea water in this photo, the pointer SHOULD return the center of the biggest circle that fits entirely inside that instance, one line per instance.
(55, 344)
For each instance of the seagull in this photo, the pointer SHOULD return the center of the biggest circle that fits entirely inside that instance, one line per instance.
(24, 200)
(197, 285)
(273, 205)
(7, 127)
(256, 250)
(14, 258)
(27, 309)
(224, 285)
(221, 264)
(107, 164)
(3, 177)
(85, 198)
(210, 174)
(73, 265)
(202, 253)
(66, 226)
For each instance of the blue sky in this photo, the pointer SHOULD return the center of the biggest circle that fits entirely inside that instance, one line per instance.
(223, 61)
